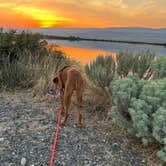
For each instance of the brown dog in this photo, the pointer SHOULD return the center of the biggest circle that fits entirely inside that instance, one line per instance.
(69, 79)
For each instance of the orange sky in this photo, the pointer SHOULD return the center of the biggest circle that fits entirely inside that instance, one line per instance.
(82, 13)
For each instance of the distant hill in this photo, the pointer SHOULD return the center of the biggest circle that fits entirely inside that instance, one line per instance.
(126, 33)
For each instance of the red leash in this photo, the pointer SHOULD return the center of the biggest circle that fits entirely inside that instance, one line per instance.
(56, 136)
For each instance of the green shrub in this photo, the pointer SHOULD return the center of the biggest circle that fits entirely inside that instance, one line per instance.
(15, 75)
(12, 44)
(142, 63)
(138, 101)
(124, 63)
(138, 64)
(123, 91)
(139, 111)
(159, 67)
(154, 94)
(159, 131)
(140, 107)
(101, 71)
(25, 61)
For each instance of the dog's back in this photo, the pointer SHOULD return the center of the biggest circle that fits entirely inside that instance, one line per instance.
(70, 75)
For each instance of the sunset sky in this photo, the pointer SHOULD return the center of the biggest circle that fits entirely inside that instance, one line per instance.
(82, 13)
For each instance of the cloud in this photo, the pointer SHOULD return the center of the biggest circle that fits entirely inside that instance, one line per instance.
(44, 17)
(102, 13)
(2, 5)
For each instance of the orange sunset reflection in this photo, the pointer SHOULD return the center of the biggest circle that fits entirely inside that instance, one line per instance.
(82, 55)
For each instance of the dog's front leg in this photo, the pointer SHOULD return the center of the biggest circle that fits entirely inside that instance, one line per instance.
(79, 100)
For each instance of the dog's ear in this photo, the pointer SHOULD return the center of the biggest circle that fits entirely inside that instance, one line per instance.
(55, 80)
(58, 81)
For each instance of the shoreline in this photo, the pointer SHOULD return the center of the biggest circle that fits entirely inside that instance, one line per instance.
(74, 38)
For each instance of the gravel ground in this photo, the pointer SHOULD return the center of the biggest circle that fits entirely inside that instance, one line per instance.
(27, 131)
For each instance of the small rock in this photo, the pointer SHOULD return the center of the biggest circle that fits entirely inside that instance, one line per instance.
(87, 164)
(143, 161)
(115, 145)
(2, 139)
(63, 163)
(79, 147)
(23, 161)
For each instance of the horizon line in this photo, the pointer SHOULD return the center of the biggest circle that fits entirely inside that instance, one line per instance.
(116, 27)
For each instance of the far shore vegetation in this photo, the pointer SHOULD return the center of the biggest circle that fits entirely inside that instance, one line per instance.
(76, 38)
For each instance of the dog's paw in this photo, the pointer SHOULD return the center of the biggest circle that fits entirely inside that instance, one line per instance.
(78, 125)
(62, 122)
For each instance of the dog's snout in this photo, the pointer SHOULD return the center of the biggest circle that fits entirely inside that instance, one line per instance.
(53, 92)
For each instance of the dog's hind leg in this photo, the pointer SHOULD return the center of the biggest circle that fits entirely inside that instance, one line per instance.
(62, 97)
(79, 93)
(67, 100)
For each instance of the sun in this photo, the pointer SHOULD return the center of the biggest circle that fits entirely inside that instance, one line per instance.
(44, 18)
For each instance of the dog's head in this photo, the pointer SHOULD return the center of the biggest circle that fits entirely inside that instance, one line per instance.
(57, 81)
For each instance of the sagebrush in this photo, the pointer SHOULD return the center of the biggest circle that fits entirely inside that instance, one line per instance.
(137, 92)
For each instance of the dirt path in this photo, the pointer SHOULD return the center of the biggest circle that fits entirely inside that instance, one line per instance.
(27, 130)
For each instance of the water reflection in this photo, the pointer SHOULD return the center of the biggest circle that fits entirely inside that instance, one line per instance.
(84, 55)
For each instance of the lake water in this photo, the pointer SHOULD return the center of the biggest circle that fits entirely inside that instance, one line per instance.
(86, 51)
